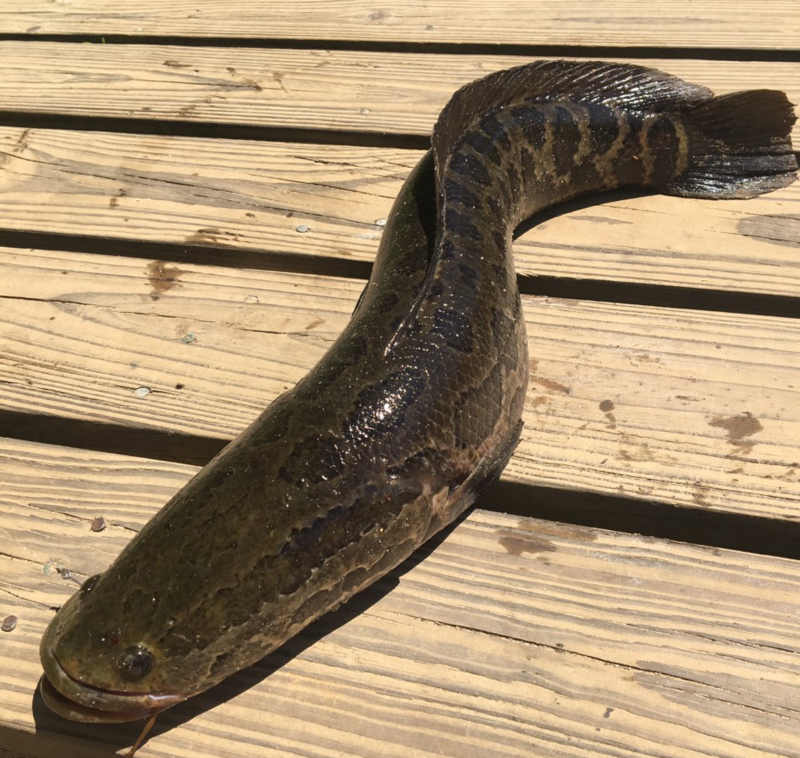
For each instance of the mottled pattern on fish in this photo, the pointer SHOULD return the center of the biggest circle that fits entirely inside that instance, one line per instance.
(418, 404)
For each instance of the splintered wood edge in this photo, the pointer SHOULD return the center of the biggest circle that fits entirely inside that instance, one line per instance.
(507, 637)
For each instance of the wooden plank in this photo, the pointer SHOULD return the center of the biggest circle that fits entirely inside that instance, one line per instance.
(684, 407)
(513, 637)
(323, 201)
(400, 93)
(200, 192)
(769, 24)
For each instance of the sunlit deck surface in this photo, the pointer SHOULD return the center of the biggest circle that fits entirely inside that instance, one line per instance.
(191, 195)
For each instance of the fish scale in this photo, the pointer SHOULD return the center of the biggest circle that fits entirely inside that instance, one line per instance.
(418, 404)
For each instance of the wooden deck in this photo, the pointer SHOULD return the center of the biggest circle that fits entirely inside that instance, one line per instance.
(191, 195)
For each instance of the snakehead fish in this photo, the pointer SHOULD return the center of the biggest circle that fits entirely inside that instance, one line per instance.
(416, 407)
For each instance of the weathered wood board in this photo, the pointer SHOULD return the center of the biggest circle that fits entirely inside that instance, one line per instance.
(349, 90)
(512, 638)
(764, 25)
(302, 203)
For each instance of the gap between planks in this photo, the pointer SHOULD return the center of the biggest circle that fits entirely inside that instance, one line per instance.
(438, 49)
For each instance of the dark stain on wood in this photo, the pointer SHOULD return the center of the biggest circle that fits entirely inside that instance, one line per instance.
(254, 85)
(737, 427)
(277, 77)
(114, 201)
(162, 277)
(778, 230)
(517, 545)
(22, 142)
(206, 236)
(607, 406)
(646, 358)
(552, 384)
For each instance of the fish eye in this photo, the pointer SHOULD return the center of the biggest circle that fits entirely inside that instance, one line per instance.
(89, 585)
(135, 663)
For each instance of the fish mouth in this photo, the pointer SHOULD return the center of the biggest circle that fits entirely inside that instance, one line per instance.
(72, 699)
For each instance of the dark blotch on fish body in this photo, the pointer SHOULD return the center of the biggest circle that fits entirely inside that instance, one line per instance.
(454, 328)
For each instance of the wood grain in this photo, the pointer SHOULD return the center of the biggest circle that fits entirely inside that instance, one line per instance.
(512, 637)
(769, 24)
(683, 407)
(509, 637)
(323, 201)
(400, 93)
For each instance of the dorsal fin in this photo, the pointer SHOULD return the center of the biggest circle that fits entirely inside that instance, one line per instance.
(620, 85)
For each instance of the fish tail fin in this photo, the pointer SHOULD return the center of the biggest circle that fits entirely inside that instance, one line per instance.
(739, 146)
(619, 85)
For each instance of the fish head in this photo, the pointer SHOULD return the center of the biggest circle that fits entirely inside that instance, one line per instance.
(162, 622)
(174, 614)
(102, 667)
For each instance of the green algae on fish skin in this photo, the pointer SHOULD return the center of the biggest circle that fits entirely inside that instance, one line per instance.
(417, 406)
